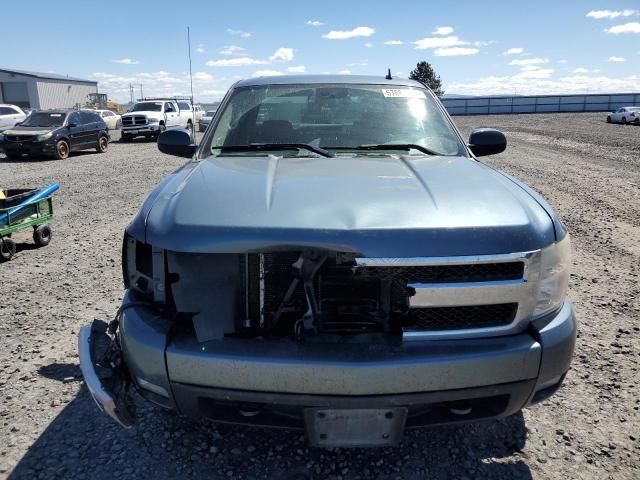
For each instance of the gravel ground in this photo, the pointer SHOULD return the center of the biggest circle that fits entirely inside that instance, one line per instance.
(50, 427)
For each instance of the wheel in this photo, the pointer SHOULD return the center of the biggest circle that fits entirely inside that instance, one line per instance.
(624, 120)
(637, 122)
(7, 249)
(62, 150)
(190, 126)
(161, 129)
(42, 235)
(13, 155)
(103, 144)
(608, 119)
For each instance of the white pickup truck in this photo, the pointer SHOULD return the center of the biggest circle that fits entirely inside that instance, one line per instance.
(151, 117)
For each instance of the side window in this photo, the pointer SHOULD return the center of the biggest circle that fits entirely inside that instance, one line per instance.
(74, 118)
(5, 111)
(184, 106)
(106, 114)
(87, 117)
(168, 107)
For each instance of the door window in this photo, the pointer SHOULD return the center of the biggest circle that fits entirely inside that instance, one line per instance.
(87, 117)
(74, 118)
(168, 107)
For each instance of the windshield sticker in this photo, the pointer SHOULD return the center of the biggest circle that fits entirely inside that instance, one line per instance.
(403, 93)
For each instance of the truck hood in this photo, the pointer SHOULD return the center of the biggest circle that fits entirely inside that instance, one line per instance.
(406, 206)
(145, 113)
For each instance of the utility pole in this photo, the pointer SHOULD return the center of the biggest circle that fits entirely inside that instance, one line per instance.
(131, 93)
(141, 96)
(193, 107)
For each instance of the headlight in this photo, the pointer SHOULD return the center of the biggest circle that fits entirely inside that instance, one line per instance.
(42, 138)
(554, 277)
(152, 120)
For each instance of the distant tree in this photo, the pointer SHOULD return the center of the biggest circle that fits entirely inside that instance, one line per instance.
(425, 73)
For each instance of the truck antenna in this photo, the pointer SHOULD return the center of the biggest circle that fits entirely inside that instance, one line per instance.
(388, 77)
(193, 107)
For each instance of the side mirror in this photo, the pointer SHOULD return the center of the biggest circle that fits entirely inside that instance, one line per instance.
(177, 142)
(72, 125)
(487, 141)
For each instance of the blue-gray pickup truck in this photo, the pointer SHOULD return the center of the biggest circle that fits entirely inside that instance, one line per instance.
(334, 257)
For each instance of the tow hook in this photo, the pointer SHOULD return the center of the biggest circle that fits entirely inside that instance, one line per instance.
(104, 372)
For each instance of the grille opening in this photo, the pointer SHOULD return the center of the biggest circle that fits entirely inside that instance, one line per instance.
(357, 299)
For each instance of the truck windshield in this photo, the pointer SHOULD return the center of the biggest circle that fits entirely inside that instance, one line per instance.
(147, 107)
(336, 117)
(44, 119)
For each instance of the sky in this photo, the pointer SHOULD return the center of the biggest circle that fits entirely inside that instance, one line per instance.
(477, 47)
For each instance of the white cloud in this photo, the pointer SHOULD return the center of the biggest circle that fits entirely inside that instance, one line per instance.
(529, 61)
(345, 72)
(442, 31)
(346, 34)
(631, 27)
(235, 62)
(200, 49)
(238, 33)
(267, 73)
(528, 68)
(580, 70)
(232, 50)
(298, 69)
(363, 63)
(126, 61)
(455, 51)
(202, 77)
(484, 43)
(282, 55)
(617, 59)
(394, 42)
(599, 14)
(368, 44)
(513, 51)
(522, 85)
(315, 23)
(161, 83)
(438, 42)
(535, 73)
(562, 61)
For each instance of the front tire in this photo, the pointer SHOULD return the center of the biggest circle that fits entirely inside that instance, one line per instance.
(42, 235)
(624, 120)
(7, 249)
(608, 119)
(62, 150)
(103, 144)
(13, 155)
(637, 122)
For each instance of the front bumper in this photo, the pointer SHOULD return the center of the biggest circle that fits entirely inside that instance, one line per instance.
(28, 148)
(138, 130)
(498, 376)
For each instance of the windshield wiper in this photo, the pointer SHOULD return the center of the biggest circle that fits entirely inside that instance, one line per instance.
(270, 147)
(390, 146)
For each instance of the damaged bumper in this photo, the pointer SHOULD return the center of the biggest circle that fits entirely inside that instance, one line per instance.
(280, 380)
(104, 382)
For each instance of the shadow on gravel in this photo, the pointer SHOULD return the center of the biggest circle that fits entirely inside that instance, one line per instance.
(61, 371)
(82, 442)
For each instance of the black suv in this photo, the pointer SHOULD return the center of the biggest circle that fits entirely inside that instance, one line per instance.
(55, 133)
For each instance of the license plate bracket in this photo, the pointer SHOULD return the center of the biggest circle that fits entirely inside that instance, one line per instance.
(357, 427)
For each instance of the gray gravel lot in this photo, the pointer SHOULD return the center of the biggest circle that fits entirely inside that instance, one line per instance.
(50, 427)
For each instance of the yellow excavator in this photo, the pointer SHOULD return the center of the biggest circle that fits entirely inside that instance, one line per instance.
(99, 101)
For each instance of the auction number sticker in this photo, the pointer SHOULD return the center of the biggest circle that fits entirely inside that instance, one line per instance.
(402, 93)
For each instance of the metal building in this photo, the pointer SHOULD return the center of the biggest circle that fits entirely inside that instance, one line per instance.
(43, 90)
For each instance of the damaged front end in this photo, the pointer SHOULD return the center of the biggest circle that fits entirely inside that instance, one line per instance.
(104, 371)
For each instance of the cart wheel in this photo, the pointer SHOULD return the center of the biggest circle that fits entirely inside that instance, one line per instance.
(7, 249)
(42, 235)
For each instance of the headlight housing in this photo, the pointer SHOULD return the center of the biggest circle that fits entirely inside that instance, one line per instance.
(43, 137)
(152, 120)
(555, 261)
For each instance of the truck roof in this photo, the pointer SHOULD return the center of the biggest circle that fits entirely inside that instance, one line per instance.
(320, 79)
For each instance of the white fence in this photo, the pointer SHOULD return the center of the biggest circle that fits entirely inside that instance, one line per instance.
(540, 104)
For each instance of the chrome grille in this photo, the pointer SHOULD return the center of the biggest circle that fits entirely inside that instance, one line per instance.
(20, 138)
(458, 318)
(130, 120)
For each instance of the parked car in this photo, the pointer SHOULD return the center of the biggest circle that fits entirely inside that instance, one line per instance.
(10, 116)
(206, 120)
(625, 115)
(335, 257)
(55, 133)
(150, 117)
(112, 119)
(199, 112)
